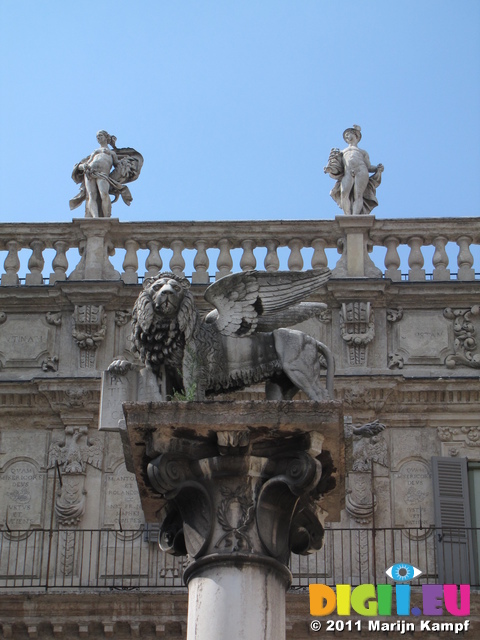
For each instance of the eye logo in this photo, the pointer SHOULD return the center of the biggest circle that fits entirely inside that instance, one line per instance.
(402, 572)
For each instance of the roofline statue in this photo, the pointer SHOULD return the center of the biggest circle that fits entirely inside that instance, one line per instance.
(103, 173)
(355, 189)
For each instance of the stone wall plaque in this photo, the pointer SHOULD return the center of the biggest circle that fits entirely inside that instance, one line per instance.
(25, 341)
(423, 337)
(122, 501)
(21, 495)
(412, 494)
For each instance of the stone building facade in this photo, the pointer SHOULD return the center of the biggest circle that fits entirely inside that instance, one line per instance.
(76, 557)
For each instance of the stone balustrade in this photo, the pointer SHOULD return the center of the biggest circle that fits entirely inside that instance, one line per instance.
(84, 249)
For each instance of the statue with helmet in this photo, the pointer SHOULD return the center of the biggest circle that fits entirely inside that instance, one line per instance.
(355, 188)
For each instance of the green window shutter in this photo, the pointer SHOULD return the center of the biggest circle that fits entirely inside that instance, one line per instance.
(453, 533)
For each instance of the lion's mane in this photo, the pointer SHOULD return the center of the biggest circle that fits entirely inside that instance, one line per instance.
(163, 341)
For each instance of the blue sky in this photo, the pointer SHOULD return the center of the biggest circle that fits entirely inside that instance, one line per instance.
(236, 104)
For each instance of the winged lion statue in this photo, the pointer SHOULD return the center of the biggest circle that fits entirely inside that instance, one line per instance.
(243, 341)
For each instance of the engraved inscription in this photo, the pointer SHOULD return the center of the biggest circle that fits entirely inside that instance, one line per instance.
(122, 502)
(413, 494)
(21, 495)
(423, 338)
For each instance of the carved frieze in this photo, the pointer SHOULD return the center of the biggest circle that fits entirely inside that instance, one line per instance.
(462, 438)
(357, 327)
(466, 325)
(89, 329)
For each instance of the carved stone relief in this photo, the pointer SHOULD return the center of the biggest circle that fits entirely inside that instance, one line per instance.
(357, 327)
(460, 441)
(72, 457)
(368, 446)
(89, 329)
(466, 325)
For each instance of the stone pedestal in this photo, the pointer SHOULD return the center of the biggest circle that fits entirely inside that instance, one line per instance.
(237, 486)
(355, 261)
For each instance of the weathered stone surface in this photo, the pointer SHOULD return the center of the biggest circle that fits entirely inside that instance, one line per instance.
(242, 342)
(153, 429)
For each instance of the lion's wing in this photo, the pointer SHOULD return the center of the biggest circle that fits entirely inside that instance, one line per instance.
(241, 298)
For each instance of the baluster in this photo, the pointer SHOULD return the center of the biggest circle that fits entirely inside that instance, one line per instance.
(11, 264)
(177, 263)
(271, 261)
(319, 258)
(392, 259)
(440, 259)
(224, 260)
(295, 259)
(130, 262)
(465, 259)
(415, 259)
(200, 264)
(154, 261)
(36, 263)
(248, 260)
(60, 262)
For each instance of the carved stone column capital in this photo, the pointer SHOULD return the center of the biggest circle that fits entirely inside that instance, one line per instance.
(236, 486)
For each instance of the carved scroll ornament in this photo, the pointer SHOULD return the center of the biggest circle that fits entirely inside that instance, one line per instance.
(466, 323)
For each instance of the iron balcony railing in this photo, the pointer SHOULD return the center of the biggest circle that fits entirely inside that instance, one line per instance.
(66, 559)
